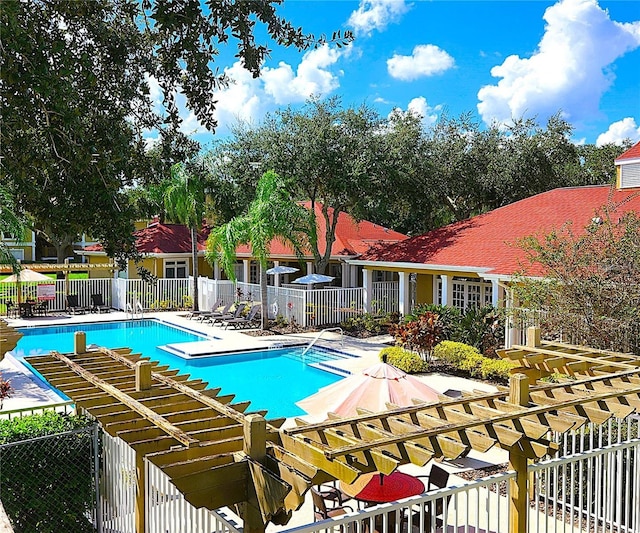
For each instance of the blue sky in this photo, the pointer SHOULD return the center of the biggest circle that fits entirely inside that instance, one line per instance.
(496, 59)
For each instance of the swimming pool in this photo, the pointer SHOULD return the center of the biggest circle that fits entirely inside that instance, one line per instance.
(270, 379)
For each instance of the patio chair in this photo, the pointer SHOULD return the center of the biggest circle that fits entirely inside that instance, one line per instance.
(98, 305)
(202, 314)
(438, 478)
(210, 315)
(41, 308)
(320, 509)
(246, 321)
(73, 306)
(237, 313)
(12, 309)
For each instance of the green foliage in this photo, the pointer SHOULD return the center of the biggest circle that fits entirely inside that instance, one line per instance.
(77, 80)
(420, 335)
(30, 427)
(374, 324)
(405, 360)
(271, 215)
(5, 389)
(591, 291)
(469, 359)
(449, 318)
(482, 327)
(47, 484)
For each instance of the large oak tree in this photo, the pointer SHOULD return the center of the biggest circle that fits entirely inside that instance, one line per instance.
(75, 97)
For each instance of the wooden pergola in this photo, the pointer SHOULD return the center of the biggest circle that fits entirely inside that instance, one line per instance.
(9, 338)
(219, 454)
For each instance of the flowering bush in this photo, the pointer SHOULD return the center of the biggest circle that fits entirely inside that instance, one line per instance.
(5, 390)
(419, 335)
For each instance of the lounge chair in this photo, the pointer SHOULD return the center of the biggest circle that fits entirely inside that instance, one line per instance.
(237, 313)
(98, 305)
(201, 314)
(211, 315)
(74, 307)
(246, 321)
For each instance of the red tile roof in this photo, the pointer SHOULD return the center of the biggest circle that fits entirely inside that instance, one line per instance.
(352, 237)
(162, 239)
(489, 241)
(631, 153)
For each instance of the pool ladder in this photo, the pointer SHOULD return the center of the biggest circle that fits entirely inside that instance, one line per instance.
(317, 337)
(135, 310)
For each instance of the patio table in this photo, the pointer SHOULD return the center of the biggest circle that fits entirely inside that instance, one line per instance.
(378, 488)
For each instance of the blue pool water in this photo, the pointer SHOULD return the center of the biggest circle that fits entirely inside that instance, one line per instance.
(270, 379)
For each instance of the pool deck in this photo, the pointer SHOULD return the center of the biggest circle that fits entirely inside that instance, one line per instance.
(29, 391)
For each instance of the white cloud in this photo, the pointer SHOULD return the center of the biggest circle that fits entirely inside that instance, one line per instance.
(311, 77)
(426, 60)
(569, 71)
(419, 107)
(620, 131)
(376, 15)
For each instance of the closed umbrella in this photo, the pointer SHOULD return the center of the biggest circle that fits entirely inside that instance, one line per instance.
(372, 390)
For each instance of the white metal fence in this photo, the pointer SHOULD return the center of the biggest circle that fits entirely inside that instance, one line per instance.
(164, 294)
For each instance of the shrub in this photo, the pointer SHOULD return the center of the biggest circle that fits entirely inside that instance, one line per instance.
(449, 318)
(405, 360)
(454, 352)
(420, 335)
(375, 324)
(496, 369)
(481, 327)
(47, 484)
(469, 359)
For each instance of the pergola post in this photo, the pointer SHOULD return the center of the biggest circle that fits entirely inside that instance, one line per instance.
(519, 501)
(79, 342)
(255, 447)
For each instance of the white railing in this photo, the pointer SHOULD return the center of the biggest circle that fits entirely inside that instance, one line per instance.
(385, 297)
(475, 506)
(316, 307)
(168, 511)
(163, 294)
(597, 490)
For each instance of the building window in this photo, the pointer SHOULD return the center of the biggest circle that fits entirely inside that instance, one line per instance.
(467, 293)
(18, 253)
(175, 269)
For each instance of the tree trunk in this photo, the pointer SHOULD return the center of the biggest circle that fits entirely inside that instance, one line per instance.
(194, 260)
(264, 295)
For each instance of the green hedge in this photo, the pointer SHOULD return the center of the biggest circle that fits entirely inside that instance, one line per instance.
(405, 360)
(469, 359)
(47, 484)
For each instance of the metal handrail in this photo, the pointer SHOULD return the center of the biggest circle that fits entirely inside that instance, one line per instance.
(317, 337)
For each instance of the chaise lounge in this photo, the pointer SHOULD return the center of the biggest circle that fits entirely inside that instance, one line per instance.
(246, 321)
(73, 306)
(98, 305)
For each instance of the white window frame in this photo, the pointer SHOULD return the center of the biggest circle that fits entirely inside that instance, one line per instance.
(466, 292)
(176, 264)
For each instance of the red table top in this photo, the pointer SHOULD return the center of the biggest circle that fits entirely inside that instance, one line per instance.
(380, 488)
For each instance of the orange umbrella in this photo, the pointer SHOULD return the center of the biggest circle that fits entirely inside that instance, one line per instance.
(372, 389)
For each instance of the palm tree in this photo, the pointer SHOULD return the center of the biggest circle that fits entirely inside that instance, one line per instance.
(184, 202)
(272, 215)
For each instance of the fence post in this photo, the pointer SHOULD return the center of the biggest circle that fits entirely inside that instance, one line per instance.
(96, 474)
(519, 500)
